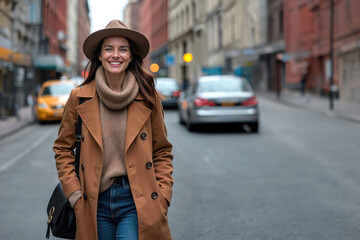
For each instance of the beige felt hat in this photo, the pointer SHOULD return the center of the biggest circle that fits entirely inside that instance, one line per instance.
(116, 28)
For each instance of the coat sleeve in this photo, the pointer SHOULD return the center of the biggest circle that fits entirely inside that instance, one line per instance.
(64, 147)
(162, 156)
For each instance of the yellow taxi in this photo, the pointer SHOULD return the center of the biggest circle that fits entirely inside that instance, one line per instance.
(51, 99)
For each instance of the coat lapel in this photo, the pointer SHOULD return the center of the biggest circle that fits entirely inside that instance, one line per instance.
(89, 111)
(136, 117)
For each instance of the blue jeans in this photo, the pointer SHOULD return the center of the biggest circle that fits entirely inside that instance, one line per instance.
(116, 213)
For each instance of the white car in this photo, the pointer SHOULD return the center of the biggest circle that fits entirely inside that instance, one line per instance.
(219, 99)
(169, 89)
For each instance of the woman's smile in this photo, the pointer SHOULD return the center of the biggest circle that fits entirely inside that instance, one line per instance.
(115, 55)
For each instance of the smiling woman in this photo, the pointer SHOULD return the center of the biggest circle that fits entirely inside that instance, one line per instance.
(115, 57)
(125, 158)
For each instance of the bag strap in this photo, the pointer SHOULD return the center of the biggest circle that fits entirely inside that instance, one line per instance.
(78, 139)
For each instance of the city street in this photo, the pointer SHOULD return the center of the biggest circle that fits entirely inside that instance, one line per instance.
(297, 179)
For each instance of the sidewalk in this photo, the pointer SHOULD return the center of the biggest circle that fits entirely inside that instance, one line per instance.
(342, 109)
(13, 124)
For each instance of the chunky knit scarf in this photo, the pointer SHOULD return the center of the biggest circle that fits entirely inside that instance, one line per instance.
(113, 112)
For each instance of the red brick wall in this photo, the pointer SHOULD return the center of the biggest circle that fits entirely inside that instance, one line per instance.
(135, 16)
(307, 28)
(153, 23)
(159, 33)
(83, 31)
(55, 20)
(145, 23)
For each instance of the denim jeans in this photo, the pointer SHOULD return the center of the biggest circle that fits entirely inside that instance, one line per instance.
(116, 214)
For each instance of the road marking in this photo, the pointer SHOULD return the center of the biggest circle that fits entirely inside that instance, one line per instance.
(13, 160)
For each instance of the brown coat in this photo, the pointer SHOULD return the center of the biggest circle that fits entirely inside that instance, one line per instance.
(148, 161)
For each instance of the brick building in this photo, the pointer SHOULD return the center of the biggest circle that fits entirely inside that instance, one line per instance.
(347, 48)
(145, 24)
(54, 26)
(307, 35)
(272, 68)
(131, 14)
(159, 35)
(154, 25)
(83, 32)
(52, 54)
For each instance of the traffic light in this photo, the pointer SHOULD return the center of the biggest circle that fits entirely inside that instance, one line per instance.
(188, 57)
(154, 67)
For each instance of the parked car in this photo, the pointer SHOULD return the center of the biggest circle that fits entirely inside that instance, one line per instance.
(51, 99)
(169, 89)
(219, 99)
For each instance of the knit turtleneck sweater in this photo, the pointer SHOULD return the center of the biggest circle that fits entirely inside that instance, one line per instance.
(113, 112)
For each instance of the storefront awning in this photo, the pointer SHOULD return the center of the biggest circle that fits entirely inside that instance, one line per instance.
(50, 62)
(272, 48)
(15, 57)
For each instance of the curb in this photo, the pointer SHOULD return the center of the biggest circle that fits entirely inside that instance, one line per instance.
(15, 130)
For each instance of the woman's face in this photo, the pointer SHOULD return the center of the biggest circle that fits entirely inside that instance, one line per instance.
(115, 55)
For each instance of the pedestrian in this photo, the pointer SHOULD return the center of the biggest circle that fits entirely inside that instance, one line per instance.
(185, 84)
(303, 84)
(125, 184)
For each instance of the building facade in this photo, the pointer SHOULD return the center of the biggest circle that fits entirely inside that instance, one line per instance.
(186, 35)
(83, 32)
(244, 39)
(222, 35)
(52, 54)
(347, 49)
(19, 35)
(131, 14)
(272, 75)
(322, 46)
(72, 37)
(159, 36)
(39, 40)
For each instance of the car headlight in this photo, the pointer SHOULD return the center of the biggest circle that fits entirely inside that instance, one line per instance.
(42, 105)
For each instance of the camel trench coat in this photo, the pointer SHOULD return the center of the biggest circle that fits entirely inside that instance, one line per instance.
(148, 161)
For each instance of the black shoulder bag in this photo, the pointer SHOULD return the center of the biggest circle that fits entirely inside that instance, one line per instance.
(61, 216)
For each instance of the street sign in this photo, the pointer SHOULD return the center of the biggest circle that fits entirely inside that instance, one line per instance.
(169, 60)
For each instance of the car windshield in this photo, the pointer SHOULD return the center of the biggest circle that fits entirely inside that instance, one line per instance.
(58, 89)
(166, 85)
(223, 85)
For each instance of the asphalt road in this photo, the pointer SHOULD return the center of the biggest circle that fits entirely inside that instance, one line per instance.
(296, 179)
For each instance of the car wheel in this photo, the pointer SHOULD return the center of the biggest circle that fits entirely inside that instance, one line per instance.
(36, 119)
(181, 120)
(190, 127)
(254, 127)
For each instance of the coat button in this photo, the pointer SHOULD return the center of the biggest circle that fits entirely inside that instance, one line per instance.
(154, 195)
(143, 136)
(148, 165)
(84, 196)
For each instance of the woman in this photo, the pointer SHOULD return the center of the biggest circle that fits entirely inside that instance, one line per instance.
(125, 183)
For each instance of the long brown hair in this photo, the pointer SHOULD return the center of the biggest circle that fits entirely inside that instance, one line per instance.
(144, 78)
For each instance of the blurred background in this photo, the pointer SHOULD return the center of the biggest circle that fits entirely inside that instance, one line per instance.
(307, 45)
(271, 154)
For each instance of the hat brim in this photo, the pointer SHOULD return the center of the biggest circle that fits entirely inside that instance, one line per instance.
(140, 42)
